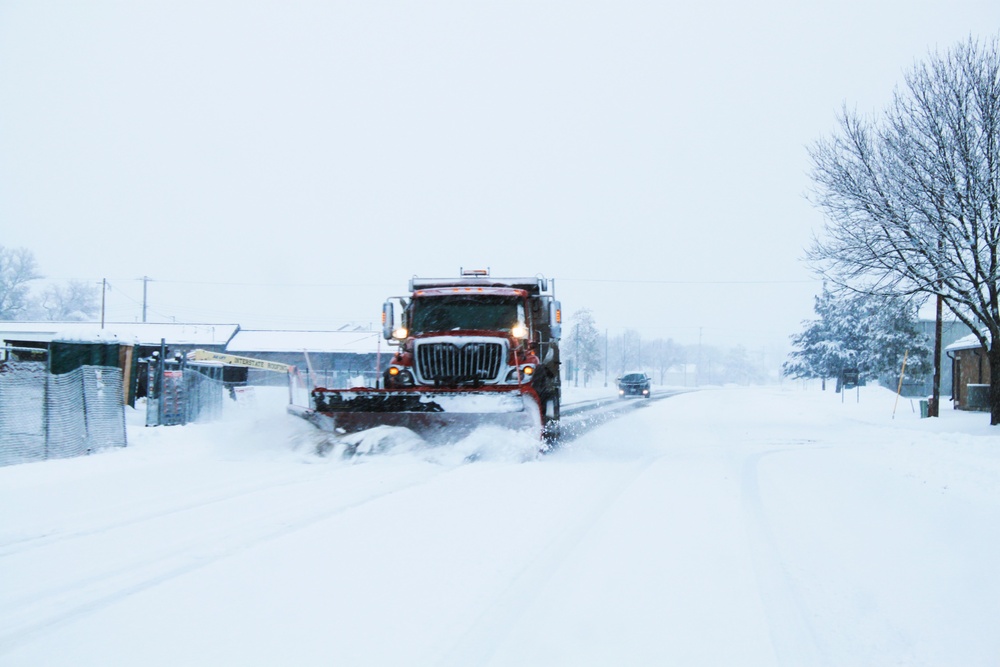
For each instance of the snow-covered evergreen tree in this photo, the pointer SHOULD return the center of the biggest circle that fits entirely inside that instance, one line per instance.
(584, 344)
(859, 331)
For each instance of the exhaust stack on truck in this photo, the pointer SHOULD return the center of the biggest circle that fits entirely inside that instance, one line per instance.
(473, 350)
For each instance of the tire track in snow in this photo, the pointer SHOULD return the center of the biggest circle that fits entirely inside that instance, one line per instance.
(22, 545)
(21, 625)
(793, 637)
(478, 643)
(579, 418)
(192, 541)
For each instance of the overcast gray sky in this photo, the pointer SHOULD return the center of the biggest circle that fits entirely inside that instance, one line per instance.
(290, 164)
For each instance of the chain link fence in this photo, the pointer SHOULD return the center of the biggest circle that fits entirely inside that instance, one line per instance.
(184, 396)
(45, 416)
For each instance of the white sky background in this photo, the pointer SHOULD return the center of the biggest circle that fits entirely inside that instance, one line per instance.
(290, 164)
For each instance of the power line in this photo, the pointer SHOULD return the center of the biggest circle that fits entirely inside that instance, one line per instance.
(219, 283)
(687, 282)
(396, 286)
(271, 284)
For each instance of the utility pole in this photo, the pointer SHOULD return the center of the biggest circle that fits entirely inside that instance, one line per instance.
(145, 281)
(933, 407)
(104, 288)
(605, 357)
(936, 389)
(697, 369)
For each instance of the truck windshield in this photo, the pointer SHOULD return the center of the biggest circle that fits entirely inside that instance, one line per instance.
(487, 313)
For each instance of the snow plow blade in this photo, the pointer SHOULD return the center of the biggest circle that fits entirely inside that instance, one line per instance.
(437, 415)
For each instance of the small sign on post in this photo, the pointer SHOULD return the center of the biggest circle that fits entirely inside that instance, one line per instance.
(850, 378)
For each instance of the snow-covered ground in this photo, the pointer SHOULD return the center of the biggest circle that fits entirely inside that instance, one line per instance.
(774, 526)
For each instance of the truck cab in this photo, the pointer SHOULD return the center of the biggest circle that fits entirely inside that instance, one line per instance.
(477, 331)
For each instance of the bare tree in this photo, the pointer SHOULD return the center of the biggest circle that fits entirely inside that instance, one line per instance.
(631, 351)
(666, 354)
(738, 367)
(912, 196)
(17, 269)
(76, 301)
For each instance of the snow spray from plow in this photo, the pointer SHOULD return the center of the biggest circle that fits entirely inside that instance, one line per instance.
(438, 416)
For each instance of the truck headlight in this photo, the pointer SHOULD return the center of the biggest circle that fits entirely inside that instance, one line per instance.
(522, 375)
(399, 377)
(518, 376)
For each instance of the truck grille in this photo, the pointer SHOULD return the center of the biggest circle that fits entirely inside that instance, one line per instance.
(447, 362)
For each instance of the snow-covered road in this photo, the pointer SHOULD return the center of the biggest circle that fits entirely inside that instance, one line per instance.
(777, 526)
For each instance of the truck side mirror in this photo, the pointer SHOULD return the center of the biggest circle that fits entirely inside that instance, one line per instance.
(555, 320)
(387, 320)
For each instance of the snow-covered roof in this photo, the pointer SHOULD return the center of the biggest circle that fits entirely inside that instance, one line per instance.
(355, 342)
(234, 339)
(969, 342)
(144, 333)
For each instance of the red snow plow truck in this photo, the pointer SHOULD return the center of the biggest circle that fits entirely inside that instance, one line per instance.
(473, 350)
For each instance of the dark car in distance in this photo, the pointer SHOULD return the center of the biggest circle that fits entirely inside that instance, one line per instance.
(633, 384)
